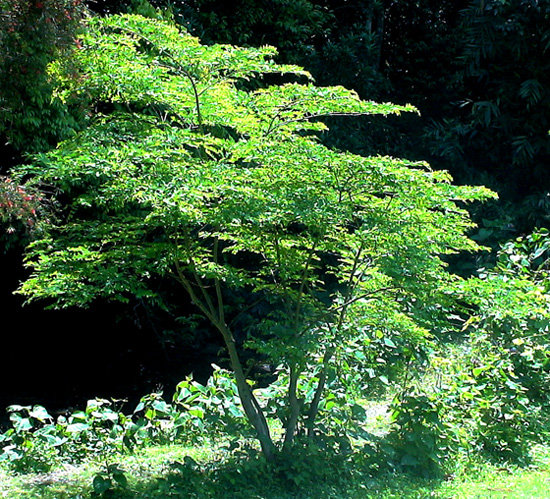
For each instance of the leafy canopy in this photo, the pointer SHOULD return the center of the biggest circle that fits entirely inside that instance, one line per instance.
(198, 169)
(33, 34)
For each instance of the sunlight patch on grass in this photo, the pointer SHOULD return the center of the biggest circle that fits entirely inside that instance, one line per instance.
(75, 481)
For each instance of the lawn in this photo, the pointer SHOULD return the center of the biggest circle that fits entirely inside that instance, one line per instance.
(209, 471)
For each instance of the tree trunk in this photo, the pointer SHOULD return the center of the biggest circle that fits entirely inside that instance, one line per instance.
(215, 313)
(314, 407)
(251, 406)
(379, 37)
(295, 408)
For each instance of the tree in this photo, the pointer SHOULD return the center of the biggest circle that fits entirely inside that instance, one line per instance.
(33, 34)
(189, 175)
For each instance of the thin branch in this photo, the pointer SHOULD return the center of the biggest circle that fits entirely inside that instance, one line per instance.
(282, 108)
(310, 117)
(179, 68)
(201, 286)
(186, 73)
(330, 351)
(221, 312)
(365, 295)
(189, 288)
(314, 406)
(279, 266)
(304, 278)
(207, 307)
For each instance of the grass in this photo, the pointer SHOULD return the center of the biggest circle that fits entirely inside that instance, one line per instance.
(211, 471)
(161, 472)
(528, 484)
(75, 481)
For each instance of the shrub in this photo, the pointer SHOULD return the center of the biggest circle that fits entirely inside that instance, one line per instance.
(34, 34)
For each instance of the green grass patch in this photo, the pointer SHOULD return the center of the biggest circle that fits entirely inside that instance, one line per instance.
(214, 472)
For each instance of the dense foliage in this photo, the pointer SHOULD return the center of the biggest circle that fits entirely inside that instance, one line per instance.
(230, 193)
(506, 73)
(477, 71)
(33, 35)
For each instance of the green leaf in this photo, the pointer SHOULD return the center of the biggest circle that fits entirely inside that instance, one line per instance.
(388, 342)
(40, 413)
(479, 370)
(101, 484)
(196, 412)
(120, 478)
(77, 427)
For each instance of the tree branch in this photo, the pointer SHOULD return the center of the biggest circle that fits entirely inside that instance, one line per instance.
(178, 68)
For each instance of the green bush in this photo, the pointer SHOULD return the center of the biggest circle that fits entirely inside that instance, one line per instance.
(419, 438)
(36, 442)
(34, 34)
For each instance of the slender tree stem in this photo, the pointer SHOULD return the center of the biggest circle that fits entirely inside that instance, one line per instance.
(250, 405)
(330, 351)
(314, 406)
(295, 405)
(221, 309)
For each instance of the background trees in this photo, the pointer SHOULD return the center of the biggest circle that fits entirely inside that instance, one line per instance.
(33, 35)
(498, 126)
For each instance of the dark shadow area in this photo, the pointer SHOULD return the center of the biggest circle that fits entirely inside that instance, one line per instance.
(62, 358)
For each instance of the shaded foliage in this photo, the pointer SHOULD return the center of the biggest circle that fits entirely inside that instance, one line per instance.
(34, 34)
(502, 126)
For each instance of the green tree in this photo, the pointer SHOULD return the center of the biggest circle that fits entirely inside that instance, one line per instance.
(191, 176)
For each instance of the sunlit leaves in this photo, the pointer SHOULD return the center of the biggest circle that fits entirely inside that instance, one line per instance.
(192, 174)
(243, 174)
